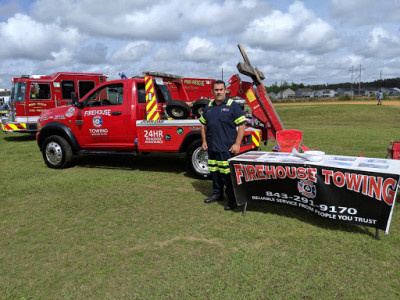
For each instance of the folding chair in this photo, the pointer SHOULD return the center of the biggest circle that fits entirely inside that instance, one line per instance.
(394, 150)
(289, 139)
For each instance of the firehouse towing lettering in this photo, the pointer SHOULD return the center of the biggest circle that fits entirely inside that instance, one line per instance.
(102, 112)
(261, 172)
(99, 131)
(371, 186)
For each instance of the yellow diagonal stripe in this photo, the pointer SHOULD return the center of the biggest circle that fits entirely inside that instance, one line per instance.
(256, 138)
(250, 95)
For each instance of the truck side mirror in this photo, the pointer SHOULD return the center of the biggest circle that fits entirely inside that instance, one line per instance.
(75, 99)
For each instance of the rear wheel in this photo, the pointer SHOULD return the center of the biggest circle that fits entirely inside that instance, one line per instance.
(178, 109)
(57, 152)
(197, 160)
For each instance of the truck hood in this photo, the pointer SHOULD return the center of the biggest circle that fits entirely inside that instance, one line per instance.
(61, 112)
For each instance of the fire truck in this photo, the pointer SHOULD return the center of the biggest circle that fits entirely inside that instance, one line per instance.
(32, 94)
(127, 116)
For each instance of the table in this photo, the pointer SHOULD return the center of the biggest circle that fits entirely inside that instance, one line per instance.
(355, 190)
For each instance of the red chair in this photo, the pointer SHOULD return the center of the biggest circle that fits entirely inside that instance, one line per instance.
(289, 139)
(394, 150)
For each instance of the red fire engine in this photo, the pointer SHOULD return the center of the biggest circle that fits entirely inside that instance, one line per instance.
(32, 94)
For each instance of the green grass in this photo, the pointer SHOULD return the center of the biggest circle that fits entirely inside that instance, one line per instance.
(137, 227)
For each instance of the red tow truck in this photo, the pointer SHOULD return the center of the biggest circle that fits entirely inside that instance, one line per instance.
(126, 116)
(32, 94)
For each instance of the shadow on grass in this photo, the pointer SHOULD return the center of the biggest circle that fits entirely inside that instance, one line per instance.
(304, 216)
(20, 137)
(175, 163)
(158, 162)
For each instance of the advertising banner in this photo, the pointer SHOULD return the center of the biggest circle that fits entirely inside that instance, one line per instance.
(355, 190)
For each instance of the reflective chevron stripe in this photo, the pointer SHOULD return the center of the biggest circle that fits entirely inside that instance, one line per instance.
(151, 102)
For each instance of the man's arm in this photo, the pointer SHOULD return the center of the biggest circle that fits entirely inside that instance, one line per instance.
(240, 133)
(203, 136)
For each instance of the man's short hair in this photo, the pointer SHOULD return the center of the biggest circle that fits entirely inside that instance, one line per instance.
(218, 82)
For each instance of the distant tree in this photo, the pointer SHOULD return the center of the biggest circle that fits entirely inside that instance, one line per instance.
(377, 84)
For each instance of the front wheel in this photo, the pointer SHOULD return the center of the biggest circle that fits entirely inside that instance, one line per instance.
(197, 160)
(57, 152)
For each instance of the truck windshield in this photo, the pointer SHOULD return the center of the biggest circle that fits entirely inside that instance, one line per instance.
(18, 90)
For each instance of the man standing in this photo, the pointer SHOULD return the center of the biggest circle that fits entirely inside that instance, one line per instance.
(380, 96)
(222, 131)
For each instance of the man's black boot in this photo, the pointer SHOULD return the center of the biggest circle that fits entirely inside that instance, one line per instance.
(231, 206)
(214, 198)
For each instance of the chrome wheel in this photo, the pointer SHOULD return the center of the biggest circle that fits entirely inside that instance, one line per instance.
(54, 153)
(200, 161)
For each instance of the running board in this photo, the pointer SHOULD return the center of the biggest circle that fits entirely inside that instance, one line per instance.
(107, 152)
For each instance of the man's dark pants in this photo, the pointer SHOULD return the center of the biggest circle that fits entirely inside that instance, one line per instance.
(220, 175)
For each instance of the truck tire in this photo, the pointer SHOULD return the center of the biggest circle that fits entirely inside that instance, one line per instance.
(198, 107)
(57, 152)
(197, 160)
(177, 109)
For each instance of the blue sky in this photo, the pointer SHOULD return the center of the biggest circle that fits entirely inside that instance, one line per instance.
(295, 41)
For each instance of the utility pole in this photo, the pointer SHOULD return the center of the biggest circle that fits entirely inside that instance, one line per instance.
(351, 82)
(359, 82)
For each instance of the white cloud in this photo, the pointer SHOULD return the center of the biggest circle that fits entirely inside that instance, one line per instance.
(381, 43)
(59, 59)
(92, 54)
(298, 29)
(200, 49)
(26, 38)
(131, 52)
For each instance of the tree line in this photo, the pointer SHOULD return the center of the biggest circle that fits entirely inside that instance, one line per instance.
(377, 84)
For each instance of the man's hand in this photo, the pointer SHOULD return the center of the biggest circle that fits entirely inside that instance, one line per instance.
(204, 146)
(235, 148)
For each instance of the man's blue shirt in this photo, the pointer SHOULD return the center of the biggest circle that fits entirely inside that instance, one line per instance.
(221, 121)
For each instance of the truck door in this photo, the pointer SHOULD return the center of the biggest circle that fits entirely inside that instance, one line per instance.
(103, 121)
(40, 98)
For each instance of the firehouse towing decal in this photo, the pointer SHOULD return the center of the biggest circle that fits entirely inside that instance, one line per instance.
(98, 122)
(368, 185)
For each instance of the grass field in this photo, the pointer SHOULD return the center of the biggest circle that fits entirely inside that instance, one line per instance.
(137, 227)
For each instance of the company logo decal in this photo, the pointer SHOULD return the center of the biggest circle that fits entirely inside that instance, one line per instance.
(97, 121)
(70, 112)
(307, 188)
